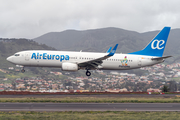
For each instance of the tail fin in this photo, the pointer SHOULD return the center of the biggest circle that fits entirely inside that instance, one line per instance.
(157, 45)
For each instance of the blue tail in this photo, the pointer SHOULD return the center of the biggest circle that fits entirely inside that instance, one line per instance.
(157, 45)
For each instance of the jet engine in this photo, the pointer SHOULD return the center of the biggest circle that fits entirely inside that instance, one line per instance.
(69, 67)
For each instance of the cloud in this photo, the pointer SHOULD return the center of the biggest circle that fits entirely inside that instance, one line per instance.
(32, 18)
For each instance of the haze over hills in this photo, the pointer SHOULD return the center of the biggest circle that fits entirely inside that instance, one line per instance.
(99, 40)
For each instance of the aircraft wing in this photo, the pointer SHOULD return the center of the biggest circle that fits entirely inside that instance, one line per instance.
(95, 62)
(160, 58)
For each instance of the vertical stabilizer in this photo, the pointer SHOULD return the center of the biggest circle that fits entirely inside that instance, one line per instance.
(157, 45)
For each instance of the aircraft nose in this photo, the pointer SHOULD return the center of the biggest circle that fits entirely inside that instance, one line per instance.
(10, 59)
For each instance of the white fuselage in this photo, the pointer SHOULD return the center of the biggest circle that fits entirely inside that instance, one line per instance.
(44, 58)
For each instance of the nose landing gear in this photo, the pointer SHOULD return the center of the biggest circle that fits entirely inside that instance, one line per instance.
(23, 70)
(88, 73)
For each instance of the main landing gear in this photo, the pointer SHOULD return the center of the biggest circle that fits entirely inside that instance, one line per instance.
(88, 73)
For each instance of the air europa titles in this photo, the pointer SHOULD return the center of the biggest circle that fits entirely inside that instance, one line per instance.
(46, 56)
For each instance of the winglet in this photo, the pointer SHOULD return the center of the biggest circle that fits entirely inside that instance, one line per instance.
(109, 50)
(113, 51)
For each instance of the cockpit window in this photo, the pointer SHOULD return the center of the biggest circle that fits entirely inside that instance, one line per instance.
(17, 55)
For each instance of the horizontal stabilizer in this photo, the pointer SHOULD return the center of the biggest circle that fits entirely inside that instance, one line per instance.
(160, 58)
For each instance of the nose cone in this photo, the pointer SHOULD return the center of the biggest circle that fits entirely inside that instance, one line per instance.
(10, 59)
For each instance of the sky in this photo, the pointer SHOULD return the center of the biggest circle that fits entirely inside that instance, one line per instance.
(33, 18)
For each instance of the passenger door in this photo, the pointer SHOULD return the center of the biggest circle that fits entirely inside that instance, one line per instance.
(139, 62)
(27, 56)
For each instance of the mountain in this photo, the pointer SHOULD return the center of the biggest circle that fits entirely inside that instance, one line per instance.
(10, 46)
(99, 40)
(90, 40)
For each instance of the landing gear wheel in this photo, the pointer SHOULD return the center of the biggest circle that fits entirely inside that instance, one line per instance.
(88, 73)
(22, 70)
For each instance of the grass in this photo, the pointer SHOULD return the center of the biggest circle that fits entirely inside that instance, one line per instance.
(89, 115)
(93, 100)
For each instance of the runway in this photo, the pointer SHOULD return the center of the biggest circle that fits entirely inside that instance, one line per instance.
(101, 95)
(89, 106)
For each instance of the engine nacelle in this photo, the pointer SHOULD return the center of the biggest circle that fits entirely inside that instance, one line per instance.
(69, 67)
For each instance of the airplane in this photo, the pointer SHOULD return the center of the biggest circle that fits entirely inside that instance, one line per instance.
(74, 61)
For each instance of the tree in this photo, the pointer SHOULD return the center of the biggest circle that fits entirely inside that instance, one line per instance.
(165, 88)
